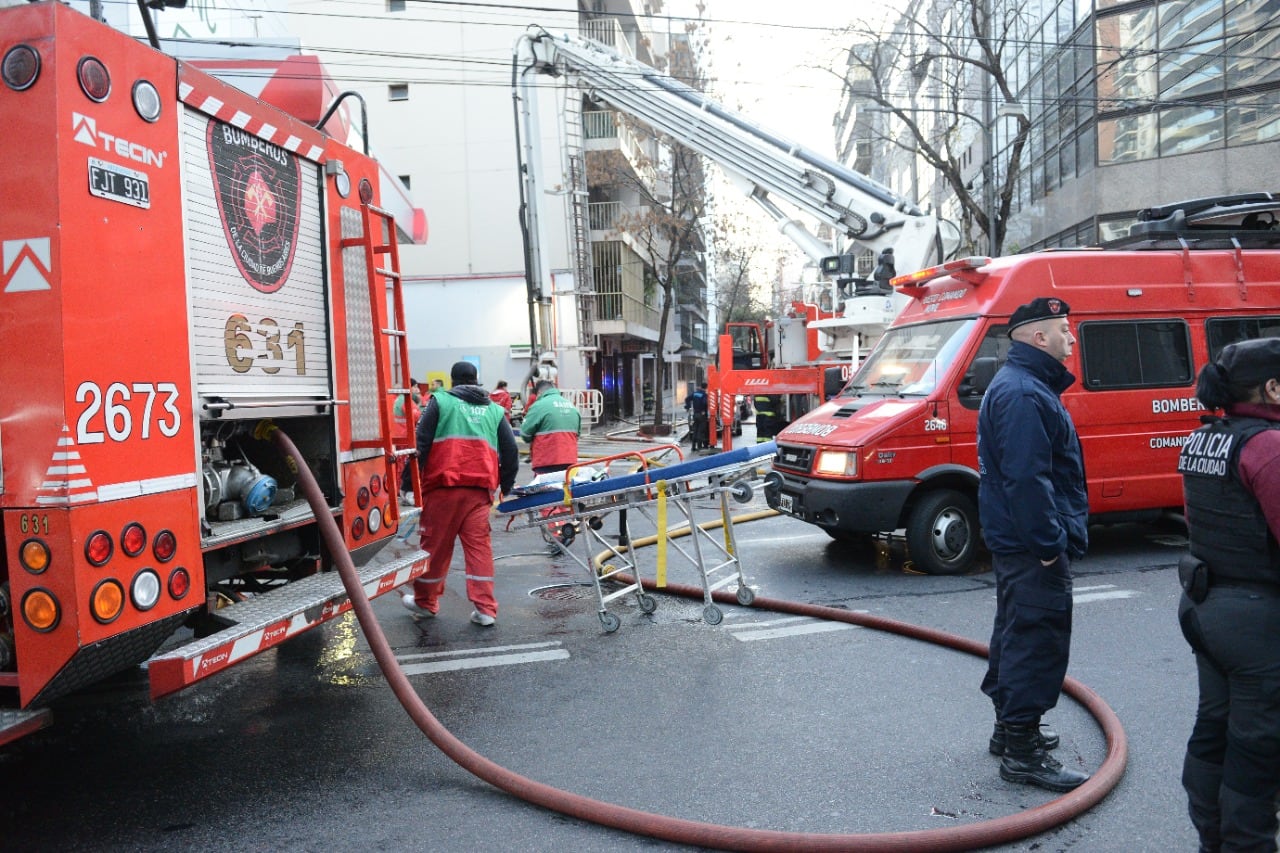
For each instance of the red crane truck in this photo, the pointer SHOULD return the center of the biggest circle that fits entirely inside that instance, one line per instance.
(182, 265)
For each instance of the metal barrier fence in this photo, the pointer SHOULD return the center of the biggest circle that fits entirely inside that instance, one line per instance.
(589, 401)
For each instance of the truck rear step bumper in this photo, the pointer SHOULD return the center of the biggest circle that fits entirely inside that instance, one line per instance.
(15, 724)
(271, 618)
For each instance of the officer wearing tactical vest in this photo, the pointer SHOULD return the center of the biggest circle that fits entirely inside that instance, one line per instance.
(1034, 510)
(1230, 611)
(466, 449)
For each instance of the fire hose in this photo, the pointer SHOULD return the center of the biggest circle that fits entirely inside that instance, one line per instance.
(683, 831)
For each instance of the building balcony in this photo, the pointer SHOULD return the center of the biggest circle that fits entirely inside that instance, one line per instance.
(609, 32)
(625, 315)
(603, 132)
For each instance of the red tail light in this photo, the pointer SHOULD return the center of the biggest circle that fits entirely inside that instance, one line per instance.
(94, 79)
(133, 539)
(99, 548)
(164, 546)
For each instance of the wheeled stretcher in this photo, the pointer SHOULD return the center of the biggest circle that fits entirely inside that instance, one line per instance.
(651, 490)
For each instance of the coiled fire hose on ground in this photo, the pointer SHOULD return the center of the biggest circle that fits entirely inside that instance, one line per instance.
(683, 831)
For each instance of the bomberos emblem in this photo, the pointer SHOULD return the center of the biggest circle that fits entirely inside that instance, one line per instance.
(256, 185)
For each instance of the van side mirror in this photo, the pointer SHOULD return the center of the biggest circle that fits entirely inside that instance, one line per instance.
(978, 378)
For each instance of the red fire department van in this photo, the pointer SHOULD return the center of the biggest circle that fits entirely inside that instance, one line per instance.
(896, 449)
(185, 270)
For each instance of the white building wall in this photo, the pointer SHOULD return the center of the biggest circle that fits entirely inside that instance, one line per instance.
(484, 318)
(455, 138)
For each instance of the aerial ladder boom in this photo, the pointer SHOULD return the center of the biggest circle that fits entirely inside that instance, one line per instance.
(774, 172)
(764, 165)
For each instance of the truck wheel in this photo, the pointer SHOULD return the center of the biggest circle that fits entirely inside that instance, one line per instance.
(942, 533)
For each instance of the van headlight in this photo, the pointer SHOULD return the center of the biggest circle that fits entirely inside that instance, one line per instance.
(841, 463)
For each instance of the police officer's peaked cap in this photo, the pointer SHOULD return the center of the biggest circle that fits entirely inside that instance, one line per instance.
(463, 373)
(1042, 308)
(1251, 362)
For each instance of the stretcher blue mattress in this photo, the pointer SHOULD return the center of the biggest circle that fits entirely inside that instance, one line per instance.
(732, 460)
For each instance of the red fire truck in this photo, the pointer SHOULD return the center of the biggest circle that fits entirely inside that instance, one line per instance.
(184, 268)
(896, 449)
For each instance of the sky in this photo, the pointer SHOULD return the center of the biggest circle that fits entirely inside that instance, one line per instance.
(763, 53)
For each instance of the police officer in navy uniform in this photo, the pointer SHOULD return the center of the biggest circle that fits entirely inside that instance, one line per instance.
(1034, 510)
(1230, 610)
(696, 405)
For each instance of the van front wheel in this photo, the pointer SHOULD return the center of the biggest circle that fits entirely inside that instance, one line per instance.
(942, 533)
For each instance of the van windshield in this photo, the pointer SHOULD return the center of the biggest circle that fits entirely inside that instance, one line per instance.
(909, 359)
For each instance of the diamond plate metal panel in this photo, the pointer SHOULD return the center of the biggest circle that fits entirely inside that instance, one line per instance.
(361, 347)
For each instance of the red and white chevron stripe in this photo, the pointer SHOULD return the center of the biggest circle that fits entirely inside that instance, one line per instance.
(236, 108)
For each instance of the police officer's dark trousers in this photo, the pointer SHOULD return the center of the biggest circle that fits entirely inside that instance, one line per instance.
(1232, 768)
(1030, 638)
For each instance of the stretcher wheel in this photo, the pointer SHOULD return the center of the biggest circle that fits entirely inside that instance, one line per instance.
(595, 522)
(746, 595)
(741, 491)
(647, 603)
(609, 622)
(712, 615)
(567, 534)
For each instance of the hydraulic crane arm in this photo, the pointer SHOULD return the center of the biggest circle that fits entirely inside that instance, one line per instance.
(764, 165)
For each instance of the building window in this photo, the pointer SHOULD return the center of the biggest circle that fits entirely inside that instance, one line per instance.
(1135, 354)
(1188, 129)
(1222, 332)
(398, 92)
(406, 180)
(395, 5)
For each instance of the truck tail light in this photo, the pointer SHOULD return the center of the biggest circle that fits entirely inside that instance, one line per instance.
(133, 539)
(41, 610)
(146, 100)
(144, 592)
(357, 527)
(164, 546)
(179, 583)
(95, 82)
(99, 548)
(375, 485)
(375, 520)
(21, 67)
(107, 600)
(362, 498)
(34, 555)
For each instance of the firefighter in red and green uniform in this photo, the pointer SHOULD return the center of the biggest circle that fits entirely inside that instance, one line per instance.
(466, 449)
(551, 428)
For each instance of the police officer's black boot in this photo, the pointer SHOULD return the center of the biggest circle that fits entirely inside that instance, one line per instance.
(1048, 738)
(1248, 823)
(1202, 781)
(1026, 761)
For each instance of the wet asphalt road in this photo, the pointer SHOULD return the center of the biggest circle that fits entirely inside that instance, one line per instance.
(764, 721)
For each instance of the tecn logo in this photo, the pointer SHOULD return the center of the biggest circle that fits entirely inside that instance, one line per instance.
(257, 185)
(86, 132)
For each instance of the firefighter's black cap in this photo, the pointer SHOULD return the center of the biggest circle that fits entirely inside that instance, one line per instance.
(1041, 308)
(1252, 362)
(463, 373)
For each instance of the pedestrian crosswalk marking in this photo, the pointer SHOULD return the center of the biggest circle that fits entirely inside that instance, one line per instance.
(1100, 592)
(481, 657)
(773, 629)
